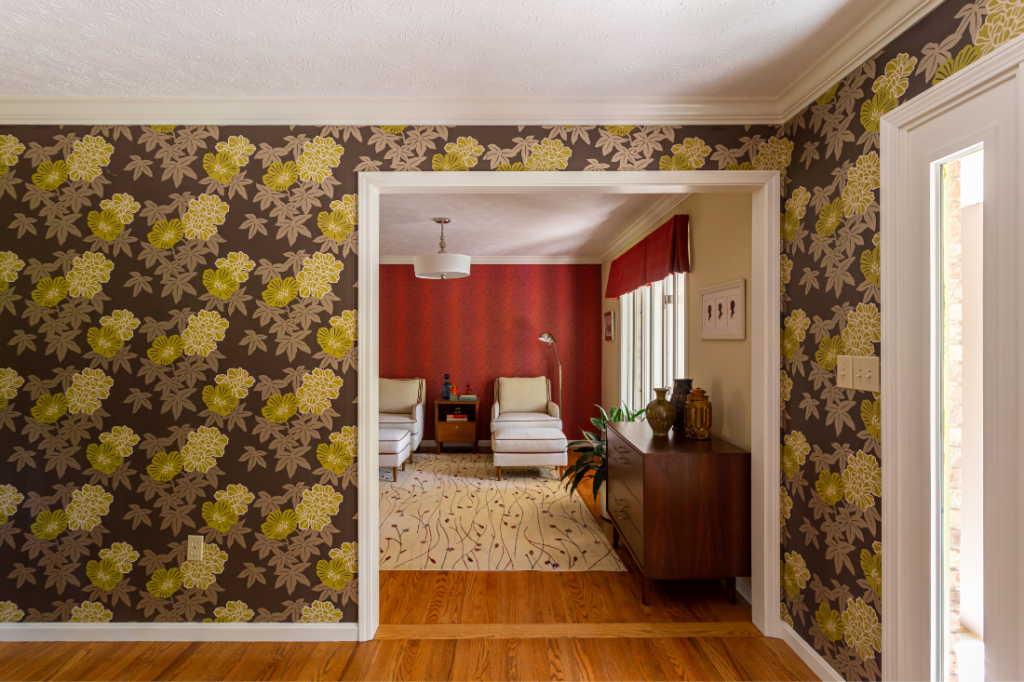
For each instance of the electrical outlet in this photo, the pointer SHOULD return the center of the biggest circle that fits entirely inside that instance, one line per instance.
(195, 548)
(865, 374)
(844, 371)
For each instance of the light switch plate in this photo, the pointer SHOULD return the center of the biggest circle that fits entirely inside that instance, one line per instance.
(844, 371)
(865, 374)
(195, 548)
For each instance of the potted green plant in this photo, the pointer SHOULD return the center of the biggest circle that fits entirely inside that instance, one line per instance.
(594, 457)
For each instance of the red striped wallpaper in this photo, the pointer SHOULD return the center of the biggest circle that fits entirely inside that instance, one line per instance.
(487, 325)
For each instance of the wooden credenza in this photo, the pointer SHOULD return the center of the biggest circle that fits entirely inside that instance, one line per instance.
(681, 506)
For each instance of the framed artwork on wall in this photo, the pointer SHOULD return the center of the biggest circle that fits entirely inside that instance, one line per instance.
(723, 311)
(609, 325)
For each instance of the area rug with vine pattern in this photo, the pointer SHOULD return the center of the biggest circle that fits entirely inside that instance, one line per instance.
(449, 512)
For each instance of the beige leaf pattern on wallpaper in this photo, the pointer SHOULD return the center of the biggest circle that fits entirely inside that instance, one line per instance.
(178, 347)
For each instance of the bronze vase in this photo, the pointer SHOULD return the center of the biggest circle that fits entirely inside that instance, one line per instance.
(660, 413)
(680, 390)
(698, 415)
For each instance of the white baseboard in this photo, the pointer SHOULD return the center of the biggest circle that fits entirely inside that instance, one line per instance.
(809, 656)
(178, 632)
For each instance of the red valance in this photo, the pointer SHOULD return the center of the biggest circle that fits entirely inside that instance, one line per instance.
(663, 252)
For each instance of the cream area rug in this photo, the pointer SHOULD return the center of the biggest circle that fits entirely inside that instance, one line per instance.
(449, 512)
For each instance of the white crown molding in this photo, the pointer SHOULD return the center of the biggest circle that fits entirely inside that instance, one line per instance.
(808, 655)
(508, 260)
(178, 632)
(643, 223)
(876, 30)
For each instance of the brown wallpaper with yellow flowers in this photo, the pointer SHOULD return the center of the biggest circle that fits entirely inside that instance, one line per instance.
(178, 346)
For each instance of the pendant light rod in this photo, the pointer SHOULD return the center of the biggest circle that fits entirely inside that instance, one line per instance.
(442, 222)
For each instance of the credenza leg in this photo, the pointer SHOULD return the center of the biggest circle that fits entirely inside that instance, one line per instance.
(647, 591)
(615, 537)
(730, 588)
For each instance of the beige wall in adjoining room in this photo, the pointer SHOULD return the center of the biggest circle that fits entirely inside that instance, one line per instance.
(720, 244)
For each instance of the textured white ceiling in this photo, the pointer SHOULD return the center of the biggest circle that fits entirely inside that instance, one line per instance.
(568, 225)
(415, 48)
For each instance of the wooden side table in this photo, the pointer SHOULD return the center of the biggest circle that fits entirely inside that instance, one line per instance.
(455, 432)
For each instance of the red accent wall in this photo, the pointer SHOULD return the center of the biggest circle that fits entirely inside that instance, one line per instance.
(487, 325)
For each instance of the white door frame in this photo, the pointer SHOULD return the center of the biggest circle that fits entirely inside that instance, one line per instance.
(764, 186)
(910, 361)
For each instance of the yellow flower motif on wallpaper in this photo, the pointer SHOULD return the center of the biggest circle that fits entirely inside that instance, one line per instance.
(334, 225)
(798, 323)
(123, 206)
(49, 524)
(103, 458)
(896, 78)
(88, 156)
(165, 466)
(318, 505)
(220, 283)
(830, 217)
(549, 155)
(10, 382)
(871, 266)
(862, 479)
(218, 515)
(349, 206)
(620, 131)
(49, 408)
(166, 349)
(871, 564)
(10, 149)
(863, 327)
(775, 154)
(872, 111)
(238, 148)
(233, 611)
(10, 266)
(89, 504)
(347, 437)
(785, 388)
(164, 583)
(967, 56)
(51, 174)
(785, 505)
(237, 497)
(394, 130)
(237, 380)
(238, 264)
(91, 612)
(829, 622)
(348, 553)
(318, 389)
(88, 388)
(281, 292)
(334, 574)
(204, 330)
(10, 498)
(334, 457)
(447, 162)
(122, 323)
(1004, 22)
(280, 408)
(88, 272)
(828, 95)
(49, 291)
(203, 217)
(281, 176)
(319, 156)
(830, 487)
(334, 341)
(105, 225)
(219, 399)
(280, 524)
(122, 439)
(789, 344)
(796, 208)
(103, 574)
(122, 555)
(166, 233)
(198, 574)
(863, 632)
(794, 453)
(202, 448)
(794, 574)
(320, 612)
(104, 341)
(467, 149)
(318, 272)
(690, 155)
(517, 166)
(221, 167)
(871, 415)
(785, 272)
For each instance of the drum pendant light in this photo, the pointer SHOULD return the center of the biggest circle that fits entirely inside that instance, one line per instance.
(441, 265)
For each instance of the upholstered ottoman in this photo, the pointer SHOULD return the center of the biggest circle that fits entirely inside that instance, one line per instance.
(394, 446)
(529, 447)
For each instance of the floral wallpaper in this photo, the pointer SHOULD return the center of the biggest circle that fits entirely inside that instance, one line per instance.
(178, 346)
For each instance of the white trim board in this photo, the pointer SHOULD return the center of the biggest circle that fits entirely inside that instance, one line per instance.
(876, 30)
(808, 655)
(178, 632)
(763, 299)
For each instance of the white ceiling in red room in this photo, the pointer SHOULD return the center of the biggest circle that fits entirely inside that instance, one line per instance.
(418, 48)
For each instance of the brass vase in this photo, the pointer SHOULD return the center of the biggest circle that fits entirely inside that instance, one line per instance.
(698, 415)
(660, 413)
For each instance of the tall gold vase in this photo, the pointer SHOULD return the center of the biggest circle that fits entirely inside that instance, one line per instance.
(698, 415)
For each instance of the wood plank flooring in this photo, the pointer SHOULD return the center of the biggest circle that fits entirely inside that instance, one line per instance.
(459, 625)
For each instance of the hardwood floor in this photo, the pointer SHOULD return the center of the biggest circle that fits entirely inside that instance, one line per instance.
(460, 625)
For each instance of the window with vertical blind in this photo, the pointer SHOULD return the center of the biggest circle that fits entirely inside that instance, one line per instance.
(653, 333)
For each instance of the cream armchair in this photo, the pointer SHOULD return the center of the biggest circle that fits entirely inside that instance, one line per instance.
(401, 407)
(524, 403)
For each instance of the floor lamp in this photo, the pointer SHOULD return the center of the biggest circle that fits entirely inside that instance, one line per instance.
(547, 338)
